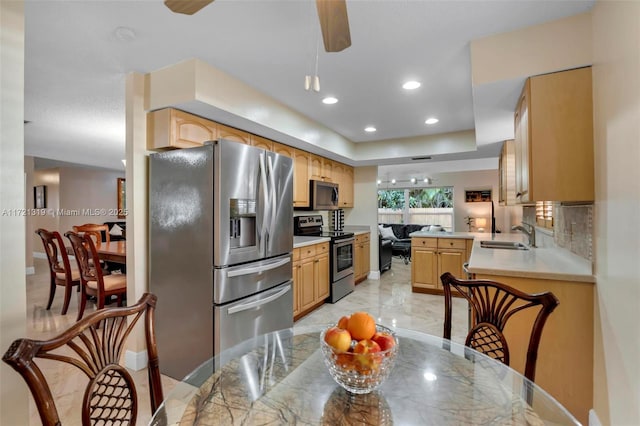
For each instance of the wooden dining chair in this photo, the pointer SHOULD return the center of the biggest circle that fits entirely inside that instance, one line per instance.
(93, 345)
(99, 233)
(492, 305)
(60, 269)
(93, 281)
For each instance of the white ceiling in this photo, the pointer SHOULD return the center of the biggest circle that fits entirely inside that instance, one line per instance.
(76, 62)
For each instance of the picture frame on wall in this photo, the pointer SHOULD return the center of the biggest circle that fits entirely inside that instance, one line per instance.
(40, 197)
(122, 199)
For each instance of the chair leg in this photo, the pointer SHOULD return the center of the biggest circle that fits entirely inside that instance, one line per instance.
(67, 296)
(82, 302)
(120, 299)
(52, 292)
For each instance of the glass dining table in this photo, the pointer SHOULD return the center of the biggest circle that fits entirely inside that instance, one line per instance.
(281, 379)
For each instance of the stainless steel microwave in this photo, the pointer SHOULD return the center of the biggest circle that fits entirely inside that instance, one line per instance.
(324, 195)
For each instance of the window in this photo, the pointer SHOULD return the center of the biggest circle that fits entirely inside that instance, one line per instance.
(544, 214)
(420, 206)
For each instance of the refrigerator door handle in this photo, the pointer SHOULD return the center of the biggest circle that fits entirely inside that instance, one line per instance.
(274, 200)
(265, 211)
(257, 303)
(257, 269)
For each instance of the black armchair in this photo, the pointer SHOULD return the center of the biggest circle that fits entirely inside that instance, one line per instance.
(385, 252)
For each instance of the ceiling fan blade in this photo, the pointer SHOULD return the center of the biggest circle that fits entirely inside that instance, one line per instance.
(334, 23)
(187, 7)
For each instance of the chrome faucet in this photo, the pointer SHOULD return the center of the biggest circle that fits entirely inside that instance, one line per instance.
(530, 232)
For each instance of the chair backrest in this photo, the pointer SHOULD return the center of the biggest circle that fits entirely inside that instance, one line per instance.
(492, 304)
(99, 233)
(94, 345)
(84, 249)
(53, 243)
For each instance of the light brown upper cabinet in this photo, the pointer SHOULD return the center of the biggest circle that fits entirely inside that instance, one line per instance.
(343, 176)
(320, 168)
(171, 128)
(507, 174)
(285, 150)
(233, 134)
(554, 138)
(301, 178)
(260, 142)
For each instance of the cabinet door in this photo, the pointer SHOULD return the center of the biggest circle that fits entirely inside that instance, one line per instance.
(301, 179)
(260, 142)
(451, 261)
(424, 267)
(315, 167)
(296, 288)
(307, 287)
(366, 261)
(231, 133)
(171, 128)
(346, 188)
(522, 148)
(358, 259)
(321, 277)
(282, 149)
(327, 169)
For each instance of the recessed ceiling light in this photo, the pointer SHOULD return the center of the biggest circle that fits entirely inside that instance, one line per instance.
(413, 180)
(370, 129)
(379, 182)
(431, 120)
(411, 85)
(393, 181)
(330, 100)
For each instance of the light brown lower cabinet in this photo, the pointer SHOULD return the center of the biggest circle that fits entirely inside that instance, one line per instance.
(565, 357)
(431, 257)
(362, 261)
(310, 278)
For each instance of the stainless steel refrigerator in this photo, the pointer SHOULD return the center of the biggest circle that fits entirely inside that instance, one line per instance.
(220, 245)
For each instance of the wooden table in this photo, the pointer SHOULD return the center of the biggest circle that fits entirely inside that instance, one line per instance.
(113, 251)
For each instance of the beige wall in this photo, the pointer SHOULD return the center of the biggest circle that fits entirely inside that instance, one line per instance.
(72, 190)
(616, 89)
(365, 211)
(474, 180)
(28, 171)
(14, 408)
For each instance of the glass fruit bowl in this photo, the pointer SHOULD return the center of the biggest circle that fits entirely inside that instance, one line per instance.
(360, 373)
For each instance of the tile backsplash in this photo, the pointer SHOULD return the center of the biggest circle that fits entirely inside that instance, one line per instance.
(572, 227)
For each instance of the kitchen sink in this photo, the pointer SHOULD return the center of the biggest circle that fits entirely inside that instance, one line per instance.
(508, 245)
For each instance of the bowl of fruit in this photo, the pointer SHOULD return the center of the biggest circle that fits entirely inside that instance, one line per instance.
(359, 353)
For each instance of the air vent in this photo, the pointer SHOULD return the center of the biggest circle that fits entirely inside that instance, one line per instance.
(421, 158)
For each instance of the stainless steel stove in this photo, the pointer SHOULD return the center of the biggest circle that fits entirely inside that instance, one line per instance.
(341, 253)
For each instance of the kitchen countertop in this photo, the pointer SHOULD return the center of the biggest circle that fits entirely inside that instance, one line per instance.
(554, 263)
(308, 241)
(446, 234)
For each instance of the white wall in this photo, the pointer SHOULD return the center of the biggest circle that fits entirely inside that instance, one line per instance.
(14, 409)
(616, 89)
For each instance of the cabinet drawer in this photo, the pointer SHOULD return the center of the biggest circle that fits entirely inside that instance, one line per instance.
(322, 248)
(424, 242)
(296, 254)
(454, 243)
(307, 251)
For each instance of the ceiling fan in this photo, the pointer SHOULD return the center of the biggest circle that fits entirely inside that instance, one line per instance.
(334, 21)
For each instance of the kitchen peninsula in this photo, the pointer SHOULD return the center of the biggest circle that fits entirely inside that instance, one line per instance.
(565, 356)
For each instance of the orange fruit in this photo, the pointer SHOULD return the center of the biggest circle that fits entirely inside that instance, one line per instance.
(361, 325)
(343, 321)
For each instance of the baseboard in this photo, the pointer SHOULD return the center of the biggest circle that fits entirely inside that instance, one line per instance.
(39, 255)
(30, 270)
(593, 418)
(373, 275)
(135, 360)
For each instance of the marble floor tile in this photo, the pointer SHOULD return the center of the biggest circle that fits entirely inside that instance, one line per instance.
(389, 299)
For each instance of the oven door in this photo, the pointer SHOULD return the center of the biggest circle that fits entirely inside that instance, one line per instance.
(342, 259)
